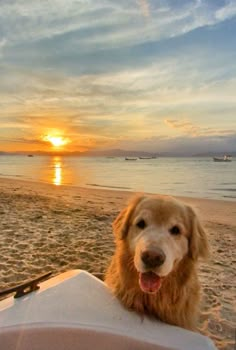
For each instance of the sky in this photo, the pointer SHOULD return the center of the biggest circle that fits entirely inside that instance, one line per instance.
(150, 75)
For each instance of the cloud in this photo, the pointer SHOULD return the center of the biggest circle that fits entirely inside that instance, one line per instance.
(182, 145)
(97, 70)
(22, 140)
(179, 124)
(128, 102)
(3, 43)
(144, 6)
(99, 25)
(184, 126)
(189, 128)
(227, 11)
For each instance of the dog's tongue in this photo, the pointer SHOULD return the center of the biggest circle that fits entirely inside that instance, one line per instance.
(149, 282)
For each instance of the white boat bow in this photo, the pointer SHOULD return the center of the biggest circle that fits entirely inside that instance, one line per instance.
(75, 311)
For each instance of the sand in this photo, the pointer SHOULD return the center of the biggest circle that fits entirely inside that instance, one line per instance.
(57, 228)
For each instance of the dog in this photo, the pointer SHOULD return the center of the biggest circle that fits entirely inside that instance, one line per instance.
(153, 271)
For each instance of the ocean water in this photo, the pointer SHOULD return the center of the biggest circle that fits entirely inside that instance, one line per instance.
(190, 177)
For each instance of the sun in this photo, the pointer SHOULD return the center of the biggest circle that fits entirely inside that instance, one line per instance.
(56, 141)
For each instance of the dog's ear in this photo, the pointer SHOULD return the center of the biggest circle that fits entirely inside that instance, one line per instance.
(122, 222)
(198, 244)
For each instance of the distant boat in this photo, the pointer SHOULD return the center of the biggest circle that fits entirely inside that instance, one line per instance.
(226, 158)
(148, 157)
(131, 158)
(30, 155)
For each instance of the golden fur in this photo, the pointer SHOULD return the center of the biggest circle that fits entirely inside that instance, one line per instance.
(177, 300)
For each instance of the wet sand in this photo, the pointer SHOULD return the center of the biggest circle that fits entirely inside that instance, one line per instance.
(57, 228)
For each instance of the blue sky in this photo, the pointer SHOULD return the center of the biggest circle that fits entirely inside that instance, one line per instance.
(150, 75)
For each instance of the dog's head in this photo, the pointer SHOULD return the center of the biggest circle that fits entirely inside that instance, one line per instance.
(159, 231)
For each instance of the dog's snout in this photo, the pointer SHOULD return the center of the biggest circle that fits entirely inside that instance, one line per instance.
(153, 258)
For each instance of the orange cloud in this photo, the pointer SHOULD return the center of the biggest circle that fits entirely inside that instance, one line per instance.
(194, 130)
(184, 125)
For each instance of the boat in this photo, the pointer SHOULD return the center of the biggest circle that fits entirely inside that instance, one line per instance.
(30, 155)
(76, 311)
(153, 157)
(226, 158)
(145, 157)
(131, 158)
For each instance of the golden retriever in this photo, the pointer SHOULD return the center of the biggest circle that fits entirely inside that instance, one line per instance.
(153, 271)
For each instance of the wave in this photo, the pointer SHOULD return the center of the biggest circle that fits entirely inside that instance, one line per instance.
(227, 183)
(224, 189)
(107, 186)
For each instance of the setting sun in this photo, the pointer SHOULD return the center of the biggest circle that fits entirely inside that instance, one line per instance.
(56, 141)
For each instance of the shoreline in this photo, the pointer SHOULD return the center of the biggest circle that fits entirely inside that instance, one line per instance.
(224, 211)
(205, 179)
(45, 228)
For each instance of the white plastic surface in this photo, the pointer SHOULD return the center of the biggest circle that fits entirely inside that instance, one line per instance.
(76, 311)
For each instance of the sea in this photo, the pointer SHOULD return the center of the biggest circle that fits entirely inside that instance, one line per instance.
(188, 177)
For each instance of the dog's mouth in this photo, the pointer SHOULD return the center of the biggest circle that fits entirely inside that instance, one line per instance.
(150, 282)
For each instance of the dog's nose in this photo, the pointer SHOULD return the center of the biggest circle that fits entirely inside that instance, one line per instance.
(153, 258)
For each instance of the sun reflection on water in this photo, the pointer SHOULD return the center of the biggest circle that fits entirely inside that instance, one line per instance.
(57, 165)
(62, 171)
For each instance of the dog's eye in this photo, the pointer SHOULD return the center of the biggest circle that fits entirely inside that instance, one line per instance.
(141, 224)
(175, 230)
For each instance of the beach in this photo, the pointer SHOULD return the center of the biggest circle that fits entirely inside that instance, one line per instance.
(45, 228)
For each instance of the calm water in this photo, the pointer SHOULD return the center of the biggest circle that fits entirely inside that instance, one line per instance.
(193, 177)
